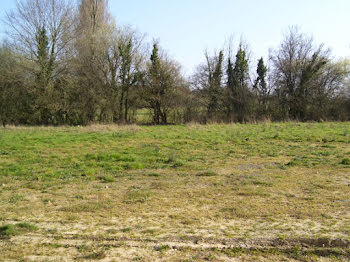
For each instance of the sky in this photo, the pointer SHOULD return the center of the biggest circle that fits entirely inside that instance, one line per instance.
(185, 28)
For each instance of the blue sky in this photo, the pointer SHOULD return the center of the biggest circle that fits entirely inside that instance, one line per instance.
(186, 27)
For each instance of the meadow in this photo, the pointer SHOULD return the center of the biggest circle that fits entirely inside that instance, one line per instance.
(254, 192)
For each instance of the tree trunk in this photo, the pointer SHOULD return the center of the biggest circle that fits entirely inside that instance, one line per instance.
(126, 105)
(121, 105)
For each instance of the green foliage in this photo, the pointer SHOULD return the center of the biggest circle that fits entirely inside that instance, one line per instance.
(156, 88)
(261, 79)
(43, 56)
(162, 87)
(237, 86)
(155, 60)
(215, 92)
(261, 86)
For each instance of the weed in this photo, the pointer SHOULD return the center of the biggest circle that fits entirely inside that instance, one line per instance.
(96, 255)
(161, 248)
(137, 196)
(346, 162)
(299, 161)
(10, 230)
(154, 175)
(123, 134)
(126, 230)
(207, 173)
(87, 207)
(16, 198)
(296, 252)
(107, 179)
(233, 252)
(262, 183)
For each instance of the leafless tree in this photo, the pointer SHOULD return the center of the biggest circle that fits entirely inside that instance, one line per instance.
(32, 16)
(297, 65)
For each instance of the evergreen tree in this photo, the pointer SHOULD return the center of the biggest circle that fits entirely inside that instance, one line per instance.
(261, 85)
(42, 56)
(215, 86)
(155, 68)
(157, 90)
(42, 92)
(237, 85)
(230, 75)
(163, 85)
(230, 86)
(241, 70)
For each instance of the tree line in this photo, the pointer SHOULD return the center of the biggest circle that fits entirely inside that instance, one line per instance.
(66, 64)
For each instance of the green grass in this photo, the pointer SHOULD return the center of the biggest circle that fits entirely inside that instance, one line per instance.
(135, 195)
(148, 188)
(9, 230)
(69, 153)
(72, 153)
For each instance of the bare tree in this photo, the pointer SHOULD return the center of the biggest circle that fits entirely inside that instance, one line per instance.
(93, 14)
(132, 56)
(298, 67)
(208, 80)
(94, 35)
(32, 17)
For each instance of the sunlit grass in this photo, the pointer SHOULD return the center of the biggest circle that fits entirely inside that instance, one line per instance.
(253, 181)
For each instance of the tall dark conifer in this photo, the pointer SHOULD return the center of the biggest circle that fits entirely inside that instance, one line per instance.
(42, 56)
(215, 87)
(156, 91)
(260, 85)
(237, 85)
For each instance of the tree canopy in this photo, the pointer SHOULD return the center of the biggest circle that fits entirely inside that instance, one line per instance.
(73, 64)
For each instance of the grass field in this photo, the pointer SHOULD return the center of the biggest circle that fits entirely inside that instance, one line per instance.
(265, 192)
